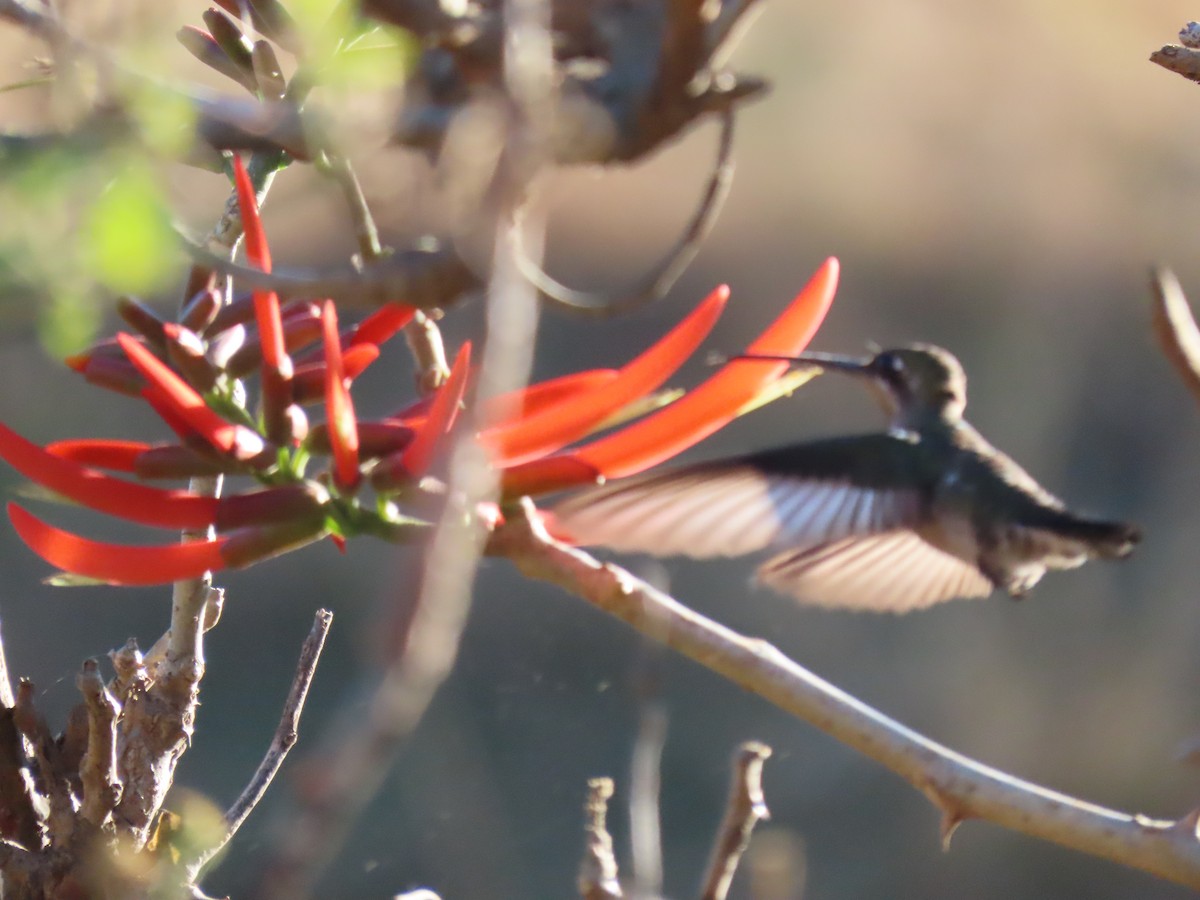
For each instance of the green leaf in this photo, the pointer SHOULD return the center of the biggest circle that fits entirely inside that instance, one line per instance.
(67, 321)
(127, 235)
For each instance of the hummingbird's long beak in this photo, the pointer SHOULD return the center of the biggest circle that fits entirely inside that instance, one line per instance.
(849, 364)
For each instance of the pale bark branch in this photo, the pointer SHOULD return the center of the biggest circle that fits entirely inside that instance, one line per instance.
(959, 786)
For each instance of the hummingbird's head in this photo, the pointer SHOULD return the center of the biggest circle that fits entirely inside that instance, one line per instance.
(916, 382)
(916, 385)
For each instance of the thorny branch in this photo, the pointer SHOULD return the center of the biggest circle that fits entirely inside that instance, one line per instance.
(960, 787)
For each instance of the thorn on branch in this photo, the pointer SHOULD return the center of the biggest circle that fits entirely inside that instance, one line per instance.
(598, 869)
(745, 808)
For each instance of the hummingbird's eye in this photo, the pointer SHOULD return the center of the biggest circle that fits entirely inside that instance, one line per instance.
(891, 363)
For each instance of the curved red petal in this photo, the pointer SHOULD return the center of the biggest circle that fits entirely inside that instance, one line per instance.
(546, 475)
(535, 398)
(339, 408)
(715, 402)
(442, 413)
(531, 436)
(380, 325)
(116, 563)
(257, 250)
(119, 456)
(174, 393)
(356, 359)
(701, 411)
(95, 490)
(270, 331)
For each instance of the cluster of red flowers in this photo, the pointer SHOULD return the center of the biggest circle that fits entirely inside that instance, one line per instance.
(189, 372)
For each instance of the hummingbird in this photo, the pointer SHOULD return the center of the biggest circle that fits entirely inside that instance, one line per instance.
(897, 520)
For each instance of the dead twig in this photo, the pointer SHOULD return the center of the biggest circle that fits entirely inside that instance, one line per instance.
(98, 769)
(283, 740)
(598, 869)
(960, 787)
(745, 809)
(1175, 328)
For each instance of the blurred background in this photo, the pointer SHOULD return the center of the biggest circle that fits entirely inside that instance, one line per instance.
(995, 179)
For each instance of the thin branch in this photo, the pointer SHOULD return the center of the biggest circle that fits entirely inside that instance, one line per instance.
(1175, 328)
(645, 766)
(645, 782)
(658, 281)
(342, 173)
(424, 278)
(598, 869)
(745, 809)
(960, 787)
(422, 334)
(283, 740)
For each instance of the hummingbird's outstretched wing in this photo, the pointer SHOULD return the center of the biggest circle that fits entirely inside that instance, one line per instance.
(895, 571)
(844, 511)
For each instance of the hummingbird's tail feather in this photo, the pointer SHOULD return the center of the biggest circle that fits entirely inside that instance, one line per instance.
(1088, 538)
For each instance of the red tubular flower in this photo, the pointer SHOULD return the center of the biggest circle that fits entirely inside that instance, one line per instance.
(95, 490)
(697, 414)
(381, 324)
(442, 415)
(171, 390)
(532, 436)
(536, 398)
(339, 408)
(116, 563)
(119, 456)
(142, 565)
(289, 511)
(309, 383)
(266, 303)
